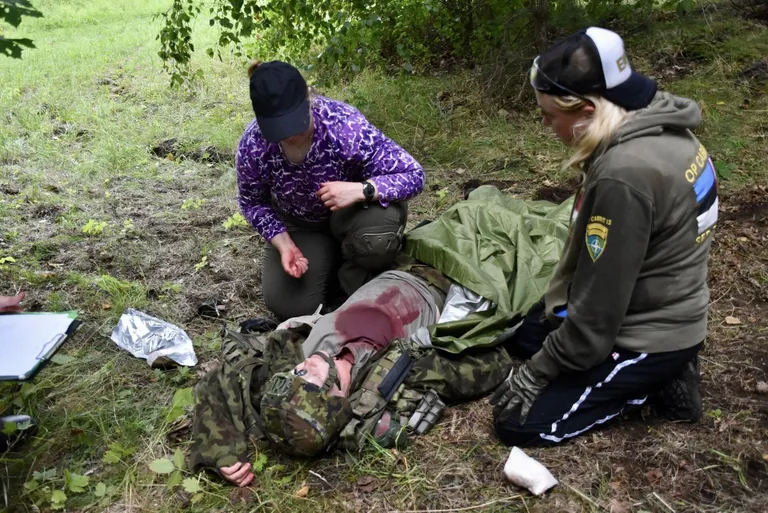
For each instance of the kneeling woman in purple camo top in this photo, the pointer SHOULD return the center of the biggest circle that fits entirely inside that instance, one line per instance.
(323, 186)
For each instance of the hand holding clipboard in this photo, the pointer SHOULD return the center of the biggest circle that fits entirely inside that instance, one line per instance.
(29, 340)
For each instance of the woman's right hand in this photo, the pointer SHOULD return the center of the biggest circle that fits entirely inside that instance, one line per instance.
(239, 473)
(293, 260)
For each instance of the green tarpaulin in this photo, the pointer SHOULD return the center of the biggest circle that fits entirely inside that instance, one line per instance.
(502, 248)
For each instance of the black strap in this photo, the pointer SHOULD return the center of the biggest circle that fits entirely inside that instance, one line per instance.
(333, 375)
(396, 376)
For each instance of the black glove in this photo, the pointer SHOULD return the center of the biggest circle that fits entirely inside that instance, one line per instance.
(519, 390)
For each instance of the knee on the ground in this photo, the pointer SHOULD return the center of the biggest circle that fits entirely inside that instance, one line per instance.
(284, 307)
(512, 433)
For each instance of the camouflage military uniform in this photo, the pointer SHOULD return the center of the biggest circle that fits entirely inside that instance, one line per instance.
(226, 414)
(224, 417)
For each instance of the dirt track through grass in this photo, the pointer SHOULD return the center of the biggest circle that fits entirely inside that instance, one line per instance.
(91, 134)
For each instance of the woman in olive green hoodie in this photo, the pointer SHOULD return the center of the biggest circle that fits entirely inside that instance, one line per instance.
(626, 311)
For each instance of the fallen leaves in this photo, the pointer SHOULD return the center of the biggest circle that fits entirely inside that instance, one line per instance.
(724, 425)
(732, 321)
(179, 429)
(367, 484)
(653, 476)
(302, 492)
(617, 506)
(240, 495)
(762, 387)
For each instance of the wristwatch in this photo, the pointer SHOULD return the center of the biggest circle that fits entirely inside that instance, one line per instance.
(368, 191)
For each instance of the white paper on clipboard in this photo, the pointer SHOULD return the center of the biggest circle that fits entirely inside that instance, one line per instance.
(28, 339)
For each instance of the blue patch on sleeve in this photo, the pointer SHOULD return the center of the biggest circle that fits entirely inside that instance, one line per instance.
(705, 182)
(561, 312)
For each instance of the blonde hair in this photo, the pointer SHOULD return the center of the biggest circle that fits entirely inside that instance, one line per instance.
(592, 134)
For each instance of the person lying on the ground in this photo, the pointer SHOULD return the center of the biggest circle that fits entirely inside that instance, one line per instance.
(356, 375)
(325, 188)
(500, 248)
(625, 314)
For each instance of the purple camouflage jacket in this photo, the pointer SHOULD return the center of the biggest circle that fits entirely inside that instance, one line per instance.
(345, 147)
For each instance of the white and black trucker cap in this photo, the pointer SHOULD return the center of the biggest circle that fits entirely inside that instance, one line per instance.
(592, 61)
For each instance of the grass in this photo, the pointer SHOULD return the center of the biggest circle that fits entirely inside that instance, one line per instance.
(81, 116)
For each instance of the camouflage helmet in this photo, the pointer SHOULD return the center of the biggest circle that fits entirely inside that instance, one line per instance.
(301, 418)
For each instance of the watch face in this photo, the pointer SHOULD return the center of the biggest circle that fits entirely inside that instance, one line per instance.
(368, 190)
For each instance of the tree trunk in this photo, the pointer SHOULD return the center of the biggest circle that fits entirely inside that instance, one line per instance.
(469, 28)
(540, 10)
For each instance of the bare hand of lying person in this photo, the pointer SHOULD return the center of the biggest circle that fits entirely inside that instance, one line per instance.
(10, 304)
(239, 473)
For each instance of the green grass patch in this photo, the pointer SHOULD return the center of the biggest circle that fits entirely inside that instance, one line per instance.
(703, 56)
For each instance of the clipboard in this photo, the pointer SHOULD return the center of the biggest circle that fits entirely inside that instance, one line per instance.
(29, 340)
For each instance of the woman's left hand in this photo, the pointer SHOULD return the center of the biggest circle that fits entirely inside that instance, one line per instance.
(338, 195)
(520, 390)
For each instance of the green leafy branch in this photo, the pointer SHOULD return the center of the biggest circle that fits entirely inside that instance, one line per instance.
(11, 12)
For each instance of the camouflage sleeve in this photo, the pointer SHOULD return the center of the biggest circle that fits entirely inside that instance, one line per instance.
(460, 377)
(218, 428)
(223, 419)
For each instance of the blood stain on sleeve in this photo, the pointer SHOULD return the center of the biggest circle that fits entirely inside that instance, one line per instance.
(379, 321)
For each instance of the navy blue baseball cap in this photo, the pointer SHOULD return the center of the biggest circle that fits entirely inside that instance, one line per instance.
(280, 101)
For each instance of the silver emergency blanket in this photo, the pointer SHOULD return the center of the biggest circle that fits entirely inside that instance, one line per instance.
(422, 338)
(460, 302)
(150, 338)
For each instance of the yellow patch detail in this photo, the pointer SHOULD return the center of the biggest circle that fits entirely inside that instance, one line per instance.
(600, 219)
(697, 166)
(705, 235)
(622, 62)
(596, 238)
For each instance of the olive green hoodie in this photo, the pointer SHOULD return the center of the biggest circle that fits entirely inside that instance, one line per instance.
(634, 268)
